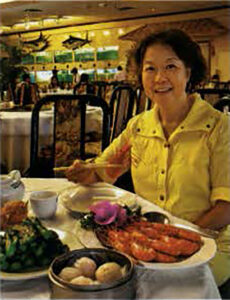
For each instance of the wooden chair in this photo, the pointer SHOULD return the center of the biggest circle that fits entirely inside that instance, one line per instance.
(212, 95)
(70, 111)
(121, 109)
(142, 101)
(223, 104)
(100, 88)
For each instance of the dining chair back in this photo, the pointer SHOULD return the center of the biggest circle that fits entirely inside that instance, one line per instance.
(68, 134)
(121, 109)
(100, 88)
(223, 104)
(212, 95)
(142, 102)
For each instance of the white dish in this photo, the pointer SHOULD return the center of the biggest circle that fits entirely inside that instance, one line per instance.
(207, 252)
(78, 199)
(66, 237)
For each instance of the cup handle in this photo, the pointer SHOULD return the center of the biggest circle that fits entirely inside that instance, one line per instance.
(15, 175)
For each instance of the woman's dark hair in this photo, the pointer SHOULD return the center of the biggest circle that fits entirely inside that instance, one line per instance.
(25, 76)
(185, 48)
(51, 81)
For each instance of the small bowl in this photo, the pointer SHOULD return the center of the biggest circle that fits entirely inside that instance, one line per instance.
(123, 288)
(157, 217)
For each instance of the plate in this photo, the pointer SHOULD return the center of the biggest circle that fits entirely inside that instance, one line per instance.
(206, 252)
(65, 237)
(78, 199)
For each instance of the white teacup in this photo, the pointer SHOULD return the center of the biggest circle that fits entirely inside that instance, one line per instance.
(44, 203)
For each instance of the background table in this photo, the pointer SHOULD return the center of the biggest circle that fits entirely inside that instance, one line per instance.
(15, 134)
(191, 283)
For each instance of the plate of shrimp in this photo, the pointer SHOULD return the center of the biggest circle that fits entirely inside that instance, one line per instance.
(153, 245)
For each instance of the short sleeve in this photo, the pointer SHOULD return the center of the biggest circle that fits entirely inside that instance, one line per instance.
(220, 160)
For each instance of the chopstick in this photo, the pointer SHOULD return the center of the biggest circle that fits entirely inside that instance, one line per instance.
(91, 166)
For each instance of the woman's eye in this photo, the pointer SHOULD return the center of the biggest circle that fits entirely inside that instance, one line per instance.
(149, 68)
(170, 66)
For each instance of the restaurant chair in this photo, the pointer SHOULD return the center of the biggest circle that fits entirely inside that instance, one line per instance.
(212, 95)
(121, 109)
(68, 132)
(142, 102)
(100, 88)
(223, 104)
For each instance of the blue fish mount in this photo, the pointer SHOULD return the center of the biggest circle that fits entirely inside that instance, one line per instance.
(35, 45)
(73, 43)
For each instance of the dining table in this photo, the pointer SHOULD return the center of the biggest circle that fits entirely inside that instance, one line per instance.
(185, 282)
(15, 131)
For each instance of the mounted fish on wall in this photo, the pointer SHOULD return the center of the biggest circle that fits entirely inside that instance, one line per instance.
(73, 43)
(35, 45)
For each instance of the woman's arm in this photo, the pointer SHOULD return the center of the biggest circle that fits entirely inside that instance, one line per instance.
(22, 94)
(217, 217)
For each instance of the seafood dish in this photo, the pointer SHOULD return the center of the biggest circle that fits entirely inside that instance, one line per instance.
(151, 242)
(12, 212)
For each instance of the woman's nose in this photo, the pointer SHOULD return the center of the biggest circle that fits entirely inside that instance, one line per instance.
(160, 76)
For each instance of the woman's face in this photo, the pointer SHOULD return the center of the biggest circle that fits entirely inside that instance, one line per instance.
(164, 75)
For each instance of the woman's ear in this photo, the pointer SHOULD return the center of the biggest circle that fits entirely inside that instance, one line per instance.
(188, 74)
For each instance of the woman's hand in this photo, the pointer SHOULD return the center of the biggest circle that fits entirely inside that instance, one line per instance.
(78, 173)
(121, 157)
(217, 217)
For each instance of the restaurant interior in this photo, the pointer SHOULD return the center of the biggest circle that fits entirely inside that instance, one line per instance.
(87, 48)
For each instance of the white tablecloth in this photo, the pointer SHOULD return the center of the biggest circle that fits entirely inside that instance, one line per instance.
(15, 134)
(191, 283)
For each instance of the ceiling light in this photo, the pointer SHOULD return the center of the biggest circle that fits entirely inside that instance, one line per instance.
(106, 32)
(6, 1)
(120, 31)
(102, 4)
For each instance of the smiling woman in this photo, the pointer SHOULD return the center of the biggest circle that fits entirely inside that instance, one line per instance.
(183, 143)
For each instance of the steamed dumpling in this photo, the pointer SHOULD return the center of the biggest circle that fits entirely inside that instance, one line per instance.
(109, 272)
(82, 280)
(87, 266)
(69, 273)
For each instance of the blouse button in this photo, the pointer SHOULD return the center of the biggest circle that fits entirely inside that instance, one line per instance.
(162, 171)
(154, 131)
(138, 129)
(208, 126)
(162, 197)
(182, 127)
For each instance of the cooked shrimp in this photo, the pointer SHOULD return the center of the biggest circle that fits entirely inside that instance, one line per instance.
(142, 252)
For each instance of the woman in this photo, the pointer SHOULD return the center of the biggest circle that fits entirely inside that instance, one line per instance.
(178, 152)
(54, 83)
(26, 92)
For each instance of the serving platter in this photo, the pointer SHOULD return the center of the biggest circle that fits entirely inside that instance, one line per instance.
(89, 239)
(78, 199)
(66, 238)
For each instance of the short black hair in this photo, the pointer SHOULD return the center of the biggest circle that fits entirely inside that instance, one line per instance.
(185, 48)
(25, 76)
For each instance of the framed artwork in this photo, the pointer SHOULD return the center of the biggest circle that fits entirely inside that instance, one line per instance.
(63, 56)
(85, 54)
(107, 53)
(44, 57)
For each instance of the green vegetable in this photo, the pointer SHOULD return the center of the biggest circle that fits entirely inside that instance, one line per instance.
(29, 246)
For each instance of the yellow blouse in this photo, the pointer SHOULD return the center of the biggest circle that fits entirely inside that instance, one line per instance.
(186, 173)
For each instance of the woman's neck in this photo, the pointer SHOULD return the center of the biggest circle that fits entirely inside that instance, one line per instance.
(172, 115)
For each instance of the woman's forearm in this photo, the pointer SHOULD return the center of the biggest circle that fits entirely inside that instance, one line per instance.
(217, 217)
